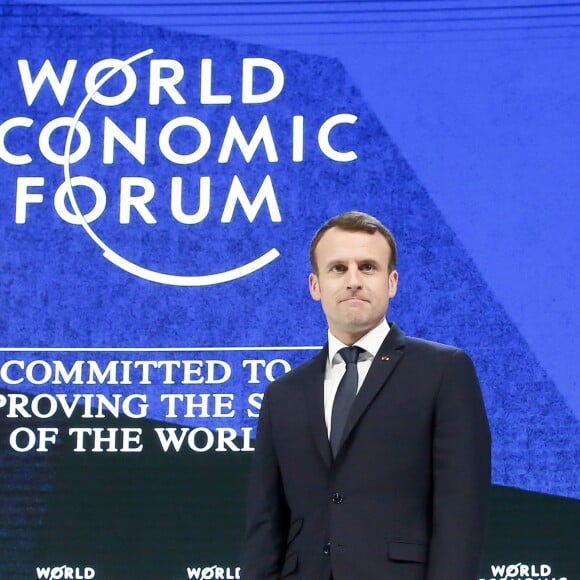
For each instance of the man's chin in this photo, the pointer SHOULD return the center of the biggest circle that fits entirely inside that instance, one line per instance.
(359, 326)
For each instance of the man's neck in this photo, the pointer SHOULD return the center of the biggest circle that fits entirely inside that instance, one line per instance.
(369, 340)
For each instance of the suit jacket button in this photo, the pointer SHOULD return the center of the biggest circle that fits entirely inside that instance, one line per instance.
(337, 498)
(326, 549)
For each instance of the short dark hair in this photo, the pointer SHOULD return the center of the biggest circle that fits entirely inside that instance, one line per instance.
(354, 221)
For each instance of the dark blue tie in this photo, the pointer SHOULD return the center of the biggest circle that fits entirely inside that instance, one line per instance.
(345, 396)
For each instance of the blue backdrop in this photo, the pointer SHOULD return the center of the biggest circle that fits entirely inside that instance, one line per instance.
(227, 134)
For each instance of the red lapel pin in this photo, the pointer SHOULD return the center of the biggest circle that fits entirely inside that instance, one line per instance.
(385, 357)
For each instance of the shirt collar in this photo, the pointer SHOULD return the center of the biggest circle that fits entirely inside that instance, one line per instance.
(370, 342)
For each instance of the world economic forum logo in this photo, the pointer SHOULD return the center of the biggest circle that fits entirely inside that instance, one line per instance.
(185, 181)
(523, 571)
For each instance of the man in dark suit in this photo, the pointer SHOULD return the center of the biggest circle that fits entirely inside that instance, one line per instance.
(372, 459)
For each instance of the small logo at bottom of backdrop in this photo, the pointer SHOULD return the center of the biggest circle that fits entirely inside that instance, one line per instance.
(65, 572)
(522, 571)
(214, 573)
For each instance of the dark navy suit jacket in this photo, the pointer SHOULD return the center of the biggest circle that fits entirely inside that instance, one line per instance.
(406, 496)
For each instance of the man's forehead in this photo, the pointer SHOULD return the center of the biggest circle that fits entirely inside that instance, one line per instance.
(338, 243)
(338, 236)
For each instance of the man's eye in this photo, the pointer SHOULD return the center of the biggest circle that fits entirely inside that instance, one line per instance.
(367, 267)
(338, 268)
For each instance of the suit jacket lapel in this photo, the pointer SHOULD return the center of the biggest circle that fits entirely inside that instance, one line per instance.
(314, 400)
(384, 363)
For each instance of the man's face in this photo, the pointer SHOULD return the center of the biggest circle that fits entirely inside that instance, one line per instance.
(353, 283)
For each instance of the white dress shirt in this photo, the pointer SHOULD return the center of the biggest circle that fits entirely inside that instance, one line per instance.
(336, 367)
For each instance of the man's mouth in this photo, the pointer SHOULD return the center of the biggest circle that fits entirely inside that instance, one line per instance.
(354, 299)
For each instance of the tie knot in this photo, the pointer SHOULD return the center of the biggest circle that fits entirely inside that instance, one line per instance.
(350, 354)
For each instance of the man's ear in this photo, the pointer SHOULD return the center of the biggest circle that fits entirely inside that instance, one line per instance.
(314, 286)
(393, 281)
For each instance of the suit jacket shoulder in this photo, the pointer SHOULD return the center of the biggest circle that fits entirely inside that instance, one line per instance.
(304, 372)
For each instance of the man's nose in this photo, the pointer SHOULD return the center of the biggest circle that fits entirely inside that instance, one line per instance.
(353, 279)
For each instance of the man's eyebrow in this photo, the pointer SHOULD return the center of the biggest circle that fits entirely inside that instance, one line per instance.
(334, 262)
